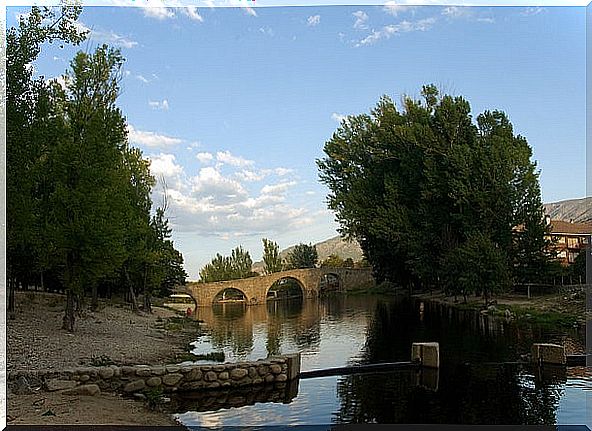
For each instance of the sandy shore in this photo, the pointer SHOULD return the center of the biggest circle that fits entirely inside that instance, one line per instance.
(36, 341)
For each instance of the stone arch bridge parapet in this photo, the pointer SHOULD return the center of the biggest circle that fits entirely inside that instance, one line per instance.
(255, 288)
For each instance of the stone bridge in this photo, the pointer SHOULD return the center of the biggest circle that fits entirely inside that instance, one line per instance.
(255, 288)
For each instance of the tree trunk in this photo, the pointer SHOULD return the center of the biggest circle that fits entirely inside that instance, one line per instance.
(94, 302)
(11, 296)
(42, 282)
(69, 316)
(135, 307)
(147, 296)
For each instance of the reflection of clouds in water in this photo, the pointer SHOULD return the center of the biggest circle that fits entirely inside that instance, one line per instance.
(314, 405)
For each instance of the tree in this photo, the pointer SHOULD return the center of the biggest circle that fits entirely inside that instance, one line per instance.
(30, 131)
(413, 184)
(85, 217)
(333, 261)
(271, 257)
(237, 265)
(302, 256)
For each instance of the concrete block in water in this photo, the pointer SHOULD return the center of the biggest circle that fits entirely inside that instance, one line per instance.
(428, 354)
(544, 353)
(293, 362)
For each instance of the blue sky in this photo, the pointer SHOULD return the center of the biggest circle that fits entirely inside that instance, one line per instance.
(233, 105)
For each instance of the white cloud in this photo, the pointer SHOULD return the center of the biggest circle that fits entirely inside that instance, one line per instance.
(227, 158)
(361, 20)
(141, 78)
(313, 20)
(251, 176)
(164, 105)
(456, 11)
(151, 139)
(395, 9)
(205, 157)
(283, 171)
(277, 189)
(466, 12)
(338, 117)
(266, 30)
(109, 37)
(529, 11)
(390, 30)
(165, 165)
(158, 12)
(191, 12)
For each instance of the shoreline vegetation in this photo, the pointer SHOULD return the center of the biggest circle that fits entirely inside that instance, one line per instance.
(565, 310)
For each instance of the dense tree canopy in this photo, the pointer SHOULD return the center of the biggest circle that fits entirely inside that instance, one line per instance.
(237, 265)
(302, 256)
(413, 184)
(79, 203)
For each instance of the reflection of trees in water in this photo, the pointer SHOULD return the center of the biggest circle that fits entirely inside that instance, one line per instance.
(466, 395)
(232, 325)
(295, 318)
(471, 394)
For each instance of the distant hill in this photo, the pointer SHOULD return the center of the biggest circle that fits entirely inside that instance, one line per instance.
(335, 245)
(577, 210)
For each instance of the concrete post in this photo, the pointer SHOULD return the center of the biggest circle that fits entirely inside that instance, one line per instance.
(293, 362)
(428, 354)
(543, 353)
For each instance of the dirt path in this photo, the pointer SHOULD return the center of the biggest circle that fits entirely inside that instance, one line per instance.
(113, 334)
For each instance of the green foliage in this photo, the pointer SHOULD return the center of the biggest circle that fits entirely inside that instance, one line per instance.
(236, 266)
(154, 397)
(420, 185)
(271, 257)
(335, 261)
(78, 196)
(302, 256)
(578, 268)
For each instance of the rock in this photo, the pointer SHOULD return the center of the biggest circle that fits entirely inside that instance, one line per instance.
(128, 371)
(219, 368)
(269, 378)
(143, 372)
(84, 378)
(158, 371)
(262, 370)
(257, 380)
(106, 373)
(22, 387)
(58, 385)
(154, 381)
(90, 390)
(223, 375)
(172, 379)
(253, 372)
(214, 385)
(139, 396)
(281, 378)
(238, 373)
(134, 386)
(172, 368)
(210, 376)
(275, 368)
(193, 375)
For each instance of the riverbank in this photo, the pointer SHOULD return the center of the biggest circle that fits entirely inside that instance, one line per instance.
(559, 310)
(110, 335)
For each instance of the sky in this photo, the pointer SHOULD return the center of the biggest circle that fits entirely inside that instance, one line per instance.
(234, 105)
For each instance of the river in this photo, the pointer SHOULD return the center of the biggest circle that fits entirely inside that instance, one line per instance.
(475, 384)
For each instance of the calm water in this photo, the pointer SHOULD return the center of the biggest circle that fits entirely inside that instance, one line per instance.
(471, 386)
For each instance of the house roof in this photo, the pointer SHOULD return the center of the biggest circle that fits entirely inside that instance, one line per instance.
(565, 227)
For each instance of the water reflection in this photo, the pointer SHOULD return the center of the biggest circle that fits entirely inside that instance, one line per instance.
(471, 387)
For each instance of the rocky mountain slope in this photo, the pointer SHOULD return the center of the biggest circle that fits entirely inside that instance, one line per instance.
(577, 210)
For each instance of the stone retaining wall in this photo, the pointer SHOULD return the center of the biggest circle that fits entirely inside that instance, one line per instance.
(169, 378)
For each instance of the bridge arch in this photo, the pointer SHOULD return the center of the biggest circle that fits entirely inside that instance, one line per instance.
(289, 284)
(230, 294)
